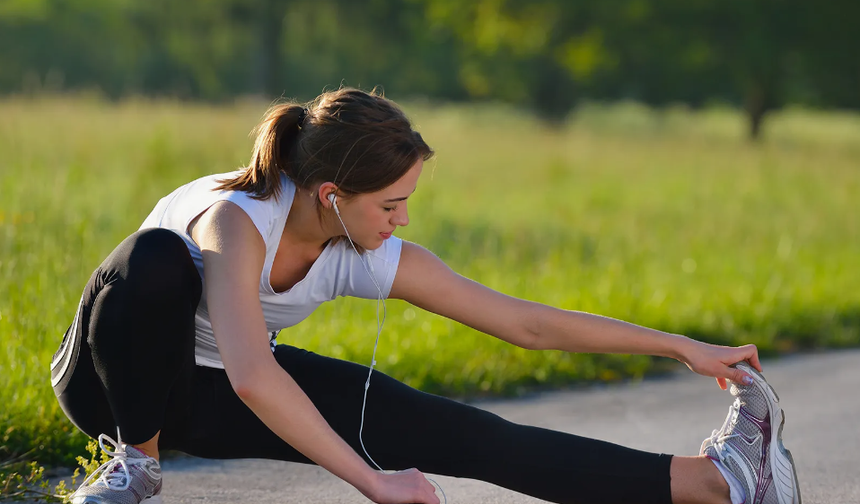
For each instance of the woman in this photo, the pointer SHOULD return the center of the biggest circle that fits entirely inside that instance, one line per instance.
(173, 342)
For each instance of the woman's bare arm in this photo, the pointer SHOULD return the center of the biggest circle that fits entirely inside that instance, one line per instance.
(425, 281)
(233, 255)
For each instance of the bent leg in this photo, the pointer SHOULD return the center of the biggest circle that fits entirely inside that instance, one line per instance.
(408, 428)
(129, 355)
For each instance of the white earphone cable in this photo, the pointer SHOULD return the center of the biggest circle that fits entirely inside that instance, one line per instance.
(379, 324)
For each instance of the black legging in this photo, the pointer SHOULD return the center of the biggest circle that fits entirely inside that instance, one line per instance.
(128, 361)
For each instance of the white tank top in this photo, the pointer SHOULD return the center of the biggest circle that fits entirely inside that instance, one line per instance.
(337, 272)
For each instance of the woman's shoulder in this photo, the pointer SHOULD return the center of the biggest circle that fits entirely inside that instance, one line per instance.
(282, 200)
(189, 201)
(267, 214)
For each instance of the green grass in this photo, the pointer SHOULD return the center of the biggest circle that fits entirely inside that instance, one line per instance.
(668, 219)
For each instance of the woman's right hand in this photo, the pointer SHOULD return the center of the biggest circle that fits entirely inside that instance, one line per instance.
(403, 487)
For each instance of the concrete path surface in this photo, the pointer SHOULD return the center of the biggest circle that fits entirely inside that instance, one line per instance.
(820, 394)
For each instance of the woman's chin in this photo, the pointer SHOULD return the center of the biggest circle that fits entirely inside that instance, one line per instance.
(365, 244)
(375, 244)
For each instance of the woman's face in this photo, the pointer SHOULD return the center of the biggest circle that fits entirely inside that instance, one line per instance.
(371, 218)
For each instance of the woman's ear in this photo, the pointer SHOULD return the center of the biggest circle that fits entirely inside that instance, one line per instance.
(324, 192)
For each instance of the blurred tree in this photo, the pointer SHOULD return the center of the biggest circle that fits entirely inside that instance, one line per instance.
(546, 55)
(826, 71)
(514, 50)
(761, 54)
(61, 44)
(757, 40)
(262, 21)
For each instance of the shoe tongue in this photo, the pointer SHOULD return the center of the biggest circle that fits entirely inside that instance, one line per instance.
(740, 390)
(751, 399)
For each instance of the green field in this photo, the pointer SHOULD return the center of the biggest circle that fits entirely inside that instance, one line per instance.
(669, 219)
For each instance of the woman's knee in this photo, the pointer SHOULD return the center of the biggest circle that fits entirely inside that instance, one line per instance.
(146, 290)
(155, 263)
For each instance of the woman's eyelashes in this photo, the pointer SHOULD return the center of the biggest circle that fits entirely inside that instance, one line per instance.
(390, 209)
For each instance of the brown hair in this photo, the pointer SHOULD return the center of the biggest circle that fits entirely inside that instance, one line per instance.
(361, 141)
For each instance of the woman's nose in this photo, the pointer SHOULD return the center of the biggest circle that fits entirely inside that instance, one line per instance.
(401, 217)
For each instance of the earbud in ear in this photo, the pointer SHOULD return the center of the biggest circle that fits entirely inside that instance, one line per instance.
(333, 199)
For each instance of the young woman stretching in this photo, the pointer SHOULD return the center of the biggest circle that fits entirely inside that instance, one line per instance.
(173, 344)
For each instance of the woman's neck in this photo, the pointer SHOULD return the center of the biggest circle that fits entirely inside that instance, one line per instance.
(304, 225)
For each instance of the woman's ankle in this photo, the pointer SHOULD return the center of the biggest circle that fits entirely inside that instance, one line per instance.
(148, 451)
(149, 448)
(696, 480)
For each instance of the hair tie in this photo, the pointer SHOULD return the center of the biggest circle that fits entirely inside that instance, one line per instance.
(301, 119)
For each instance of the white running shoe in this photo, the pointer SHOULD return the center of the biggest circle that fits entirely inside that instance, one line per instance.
(751, 448)
(131, 477)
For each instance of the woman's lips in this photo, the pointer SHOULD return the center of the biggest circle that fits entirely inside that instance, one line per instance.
(385, 236)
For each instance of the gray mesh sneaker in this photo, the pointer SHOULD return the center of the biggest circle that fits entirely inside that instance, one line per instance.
(751, 448)
(131, 477)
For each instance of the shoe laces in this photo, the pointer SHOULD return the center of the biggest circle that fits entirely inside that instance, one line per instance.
(107, 472)
(719, 436)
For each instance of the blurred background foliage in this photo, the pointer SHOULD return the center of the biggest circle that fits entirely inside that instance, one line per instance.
(546, 55)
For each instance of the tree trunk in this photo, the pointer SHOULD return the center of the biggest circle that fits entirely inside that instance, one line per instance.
(271, 24)
(757, 105)
(554, 92)
(755, 120)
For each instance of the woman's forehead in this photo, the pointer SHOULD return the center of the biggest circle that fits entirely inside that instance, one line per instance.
(405, 185)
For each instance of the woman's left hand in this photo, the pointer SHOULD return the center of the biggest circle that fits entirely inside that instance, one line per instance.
(714, 360)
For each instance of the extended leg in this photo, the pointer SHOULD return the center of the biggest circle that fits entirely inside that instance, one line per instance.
(408, 428)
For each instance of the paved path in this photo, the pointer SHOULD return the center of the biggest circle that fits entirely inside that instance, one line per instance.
(820, 394)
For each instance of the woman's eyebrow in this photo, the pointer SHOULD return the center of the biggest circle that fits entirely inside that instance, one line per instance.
(392, 200)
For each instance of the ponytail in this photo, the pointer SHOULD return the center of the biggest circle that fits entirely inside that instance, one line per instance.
(276, 136)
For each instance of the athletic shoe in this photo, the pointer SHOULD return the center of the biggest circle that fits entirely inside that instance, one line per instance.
(750, 448)
(131, 477)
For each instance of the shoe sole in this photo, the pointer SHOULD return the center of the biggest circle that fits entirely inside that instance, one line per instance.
(780, 456)
(155, 499)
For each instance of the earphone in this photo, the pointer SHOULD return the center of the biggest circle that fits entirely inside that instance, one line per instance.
(379, 323)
